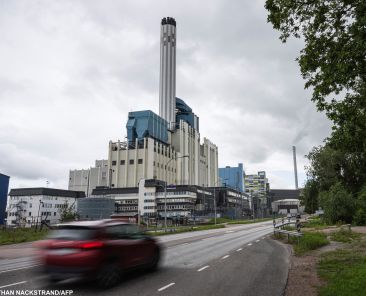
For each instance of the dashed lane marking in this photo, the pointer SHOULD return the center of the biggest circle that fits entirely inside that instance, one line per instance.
(226, 256)
(14, 284)
(249, 244)
(166, 287)
(238, 250)
(203, 268)
(15, 269)
(257, 240)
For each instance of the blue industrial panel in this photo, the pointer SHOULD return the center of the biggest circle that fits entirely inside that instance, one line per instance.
(185, 113)
(143, 124)
(233, 177)
(4, 187)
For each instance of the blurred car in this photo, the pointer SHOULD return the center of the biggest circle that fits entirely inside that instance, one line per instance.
(99, 250)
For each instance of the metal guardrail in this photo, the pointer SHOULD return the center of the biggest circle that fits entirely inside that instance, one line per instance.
(278, 229)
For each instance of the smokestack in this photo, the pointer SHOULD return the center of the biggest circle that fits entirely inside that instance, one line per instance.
(167, 70)
(295, 166)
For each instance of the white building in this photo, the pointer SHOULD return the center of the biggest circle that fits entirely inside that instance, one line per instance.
(28, 206)
(88, 179)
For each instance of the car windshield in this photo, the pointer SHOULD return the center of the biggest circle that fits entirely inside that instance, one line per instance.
(72, 233)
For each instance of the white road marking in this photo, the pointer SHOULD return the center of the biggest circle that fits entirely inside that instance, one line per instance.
(249, 244)
(229, 231)
(166, 287)
(14, 284)
(226, 256)
(203, 268)
(185, 244)
(238, 250)
(15, 269)
(257, 240)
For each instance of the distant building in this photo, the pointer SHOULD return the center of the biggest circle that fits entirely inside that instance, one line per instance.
(258, 186)
(4, 187)
(183, 201)
(27, 207)
(286, 201)
(233, 177)
(87, 180)
(95, 208)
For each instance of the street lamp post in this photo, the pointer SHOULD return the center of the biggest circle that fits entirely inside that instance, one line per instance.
(39, 207)
(215, 198)
(166, 168)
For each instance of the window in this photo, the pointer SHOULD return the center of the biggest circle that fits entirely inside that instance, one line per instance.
(30, 214)
(140, 161)
(114, 162)
(132, 161)
(123, 162)
(54, 213)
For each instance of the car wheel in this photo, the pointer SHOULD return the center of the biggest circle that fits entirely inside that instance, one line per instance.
(109, 276)
(154, 263)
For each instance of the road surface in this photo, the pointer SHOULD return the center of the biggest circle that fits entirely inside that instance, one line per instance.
(237, 260)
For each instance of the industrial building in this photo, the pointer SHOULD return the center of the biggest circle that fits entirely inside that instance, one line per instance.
(4, 187)
(233, 177)
(27, 207)
(87, 180)
(285, 201)
(184, 202)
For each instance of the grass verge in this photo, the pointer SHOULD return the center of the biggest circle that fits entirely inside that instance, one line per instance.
(310, 241)
(344, 270)
(345, 236)
(20, 235)
(316, 223)
(185, 229)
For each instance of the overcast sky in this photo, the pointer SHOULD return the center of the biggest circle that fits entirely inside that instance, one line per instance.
(70, 71)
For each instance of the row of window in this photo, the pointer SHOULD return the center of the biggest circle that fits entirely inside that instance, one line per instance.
(149, 207)
(132, 161)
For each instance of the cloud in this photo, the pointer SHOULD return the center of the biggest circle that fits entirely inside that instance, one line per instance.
(72, 70)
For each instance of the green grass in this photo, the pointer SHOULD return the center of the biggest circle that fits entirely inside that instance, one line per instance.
(345, 236)
(344, 271)
(231, 221)
(316, 223)
(20, 235)
(181, 229)
(309, 241)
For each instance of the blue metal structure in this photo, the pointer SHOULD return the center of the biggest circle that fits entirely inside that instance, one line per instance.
(184, 112)
(233, 176)
(4, 187)
(143, 124)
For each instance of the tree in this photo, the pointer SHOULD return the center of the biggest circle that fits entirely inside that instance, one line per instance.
(310, 196)
(67, 212)
(338, 204)
(333, 59)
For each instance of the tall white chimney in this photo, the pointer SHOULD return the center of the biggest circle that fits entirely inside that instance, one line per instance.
(295, 166)
(168, 41)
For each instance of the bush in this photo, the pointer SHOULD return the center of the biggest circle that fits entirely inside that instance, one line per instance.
(338, 204)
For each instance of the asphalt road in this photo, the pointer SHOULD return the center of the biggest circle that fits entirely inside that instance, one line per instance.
(239, 260)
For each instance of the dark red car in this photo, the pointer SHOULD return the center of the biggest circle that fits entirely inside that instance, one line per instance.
(99, 250)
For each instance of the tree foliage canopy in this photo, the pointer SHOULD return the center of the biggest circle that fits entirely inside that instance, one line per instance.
(334, 32)
(333, 64)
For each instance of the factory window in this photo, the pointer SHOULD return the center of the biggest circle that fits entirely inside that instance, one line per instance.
(140, 161)
(123, 162)
(114, 162)
(132, 161)
(54, 213)
(30, 214)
